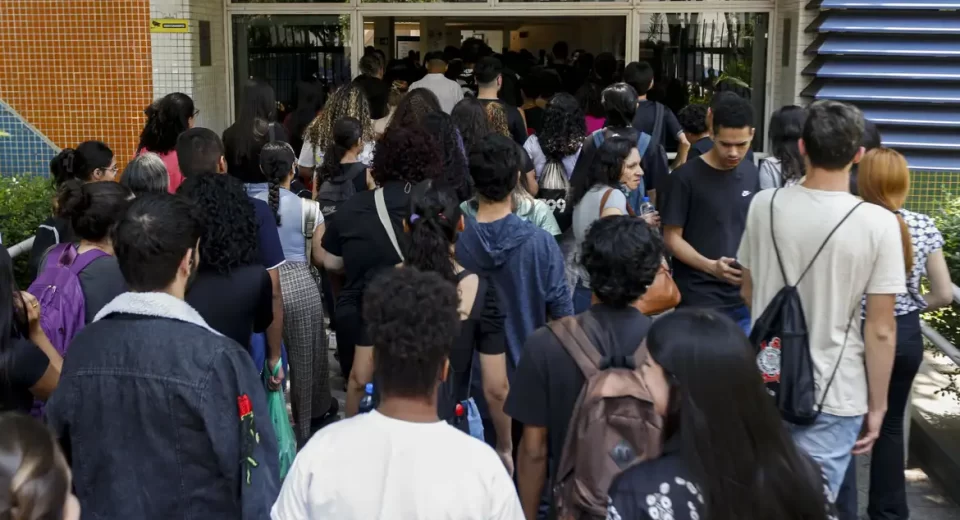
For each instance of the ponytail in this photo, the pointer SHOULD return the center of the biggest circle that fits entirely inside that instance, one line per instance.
(883, 178)
(81, 162)
(347, 132)
(433, 226)
(276, 161)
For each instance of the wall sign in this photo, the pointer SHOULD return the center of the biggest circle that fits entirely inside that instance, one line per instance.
(169, 25)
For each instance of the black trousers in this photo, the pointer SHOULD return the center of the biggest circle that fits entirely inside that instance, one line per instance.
(888, 495)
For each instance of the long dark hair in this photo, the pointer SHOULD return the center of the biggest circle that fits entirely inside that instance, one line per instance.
(733, 440)
(34, 471)
(13, 321)
(413, 108)
(167, 118)
(79, 163)
(471, 118)
(606, 168)
(619, 105)
(455, 171)
(347, 132)
(276, 162)
(228, 219)
(786, 129)
(590, 100)
(257, 112)
(310, 99)
(564, 127)
(434, 217)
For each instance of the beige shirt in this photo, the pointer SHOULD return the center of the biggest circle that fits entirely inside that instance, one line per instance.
(448, 91)
(864, 256)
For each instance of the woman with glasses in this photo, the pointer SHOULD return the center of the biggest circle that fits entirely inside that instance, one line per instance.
(167, 118)
(90, 161)
(303, 333)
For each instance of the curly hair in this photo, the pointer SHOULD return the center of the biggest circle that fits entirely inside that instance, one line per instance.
(413, 319)
(434, 217)
(622, 256)
(276, 161)
(564, 127)
(167, 118)
(456, 174)
(606, 168)
(408, 154)
(413, 108)
(228, 219)
(470, 116)
(497, 116)
(348, 101)
(693, 118)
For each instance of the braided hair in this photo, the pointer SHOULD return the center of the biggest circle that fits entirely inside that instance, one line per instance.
(348, 101)
(277, 160)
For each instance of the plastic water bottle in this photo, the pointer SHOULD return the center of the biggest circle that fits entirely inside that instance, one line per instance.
(366, 403)
(646, 207)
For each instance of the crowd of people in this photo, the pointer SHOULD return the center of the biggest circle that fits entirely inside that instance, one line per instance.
(537, 313)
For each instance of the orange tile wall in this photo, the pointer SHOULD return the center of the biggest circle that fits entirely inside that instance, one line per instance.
(78, 69)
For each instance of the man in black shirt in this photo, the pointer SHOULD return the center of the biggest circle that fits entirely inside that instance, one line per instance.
(489, 74)
(704, 212)
(640, 76)
(371, 82)
(693, 120)
(622, 255)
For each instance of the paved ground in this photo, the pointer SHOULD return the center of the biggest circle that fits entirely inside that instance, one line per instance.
(925, 497)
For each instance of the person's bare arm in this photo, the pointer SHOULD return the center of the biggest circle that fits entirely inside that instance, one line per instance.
(941, 287)
(532, 469)
(683, 251)
(332, 263)
(317, 252)
(275, 330)
(746, 289)
(683, 148)
(880, 347)
(493, 368)
(307, 173)
(532, 186)
(360, 375)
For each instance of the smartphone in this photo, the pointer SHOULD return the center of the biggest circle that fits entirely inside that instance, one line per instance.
(736, 265)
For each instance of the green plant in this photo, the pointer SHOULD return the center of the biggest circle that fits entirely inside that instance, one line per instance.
(25, 202)
(947, 320)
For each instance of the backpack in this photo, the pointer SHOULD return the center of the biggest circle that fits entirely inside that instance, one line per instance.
(334, 192)
(635, 197)
(657, 137)
(613, 426)
(781, 340)
(58, 290)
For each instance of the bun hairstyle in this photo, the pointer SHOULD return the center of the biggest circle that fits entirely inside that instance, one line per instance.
(93, 208)
(347, 132)
(276, 160)
(434, 218)
(167, 118)
(79, 163)
(34, 476)
(883, 178)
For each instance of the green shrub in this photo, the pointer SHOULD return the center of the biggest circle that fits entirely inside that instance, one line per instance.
(25, 202)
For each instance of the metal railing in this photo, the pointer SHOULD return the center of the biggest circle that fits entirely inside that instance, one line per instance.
(21, 248)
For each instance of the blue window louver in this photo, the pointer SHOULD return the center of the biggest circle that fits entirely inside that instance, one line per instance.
(899, 61)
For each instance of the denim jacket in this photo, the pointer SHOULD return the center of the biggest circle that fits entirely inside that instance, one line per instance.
(164, 418)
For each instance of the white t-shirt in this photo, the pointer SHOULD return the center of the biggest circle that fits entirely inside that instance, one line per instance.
(375, 467)
(864, 256)
(448, 92)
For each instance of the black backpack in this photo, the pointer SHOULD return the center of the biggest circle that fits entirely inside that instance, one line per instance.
(656, 138)
(782, 343)
(449, 395)
(334, 192)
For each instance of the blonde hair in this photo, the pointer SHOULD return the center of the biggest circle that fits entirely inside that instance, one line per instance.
(883, 178)
(498, 118)
(347, 101)
(34, 476)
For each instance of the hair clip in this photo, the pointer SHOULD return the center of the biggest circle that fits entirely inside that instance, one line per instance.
(414, 217)
(442, 216)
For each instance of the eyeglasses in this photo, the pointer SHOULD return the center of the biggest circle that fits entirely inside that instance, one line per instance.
(196, 113)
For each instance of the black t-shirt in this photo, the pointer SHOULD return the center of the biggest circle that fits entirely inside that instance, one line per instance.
(237, 304)
(646, 119)
(357, 236)
(704, 144)
(711, 206)
(518, 130)
(268, 236)
(27, 365)
(547, 382)
(535, 119)
(247, 168)
(53, 231)
(377, 93)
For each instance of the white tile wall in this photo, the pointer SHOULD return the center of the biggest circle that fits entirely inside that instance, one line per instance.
(176, 59)
(788, 81)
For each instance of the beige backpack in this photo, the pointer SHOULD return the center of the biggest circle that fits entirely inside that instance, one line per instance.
(613, 427)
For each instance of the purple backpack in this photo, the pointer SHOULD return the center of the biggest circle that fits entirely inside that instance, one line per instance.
(62, 305)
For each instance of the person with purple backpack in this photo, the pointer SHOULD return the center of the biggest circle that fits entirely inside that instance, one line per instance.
(76, 280)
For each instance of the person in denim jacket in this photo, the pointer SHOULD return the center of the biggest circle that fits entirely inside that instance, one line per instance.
(160, 415)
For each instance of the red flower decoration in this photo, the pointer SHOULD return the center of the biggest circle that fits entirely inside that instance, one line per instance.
(243, 405)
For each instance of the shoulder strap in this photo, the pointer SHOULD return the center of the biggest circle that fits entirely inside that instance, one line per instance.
(272, 131)
(577, 344)
(478, 304)
(603, 201)
(385, 221)
(643, 142)
(309, 212)
(84, 259)
(598, 138)
(658, 123)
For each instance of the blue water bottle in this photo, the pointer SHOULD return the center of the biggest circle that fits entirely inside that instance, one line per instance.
(646, 207)
(366, 403)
